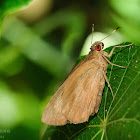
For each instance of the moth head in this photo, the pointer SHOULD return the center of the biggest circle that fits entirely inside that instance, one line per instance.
(98, 45)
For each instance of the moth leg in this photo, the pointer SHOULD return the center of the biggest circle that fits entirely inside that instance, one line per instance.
(113, 63)
(111, 52)
(108, 84)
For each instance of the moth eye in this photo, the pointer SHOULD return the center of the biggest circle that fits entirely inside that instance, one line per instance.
(98, 47)
(102, 45)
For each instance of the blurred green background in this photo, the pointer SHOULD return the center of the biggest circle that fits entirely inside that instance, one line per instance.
(39, 46)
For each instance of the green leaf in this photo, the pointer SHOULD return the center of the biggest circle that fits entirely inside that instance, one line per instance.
(10, 6)
(34, 48)
(117, 119)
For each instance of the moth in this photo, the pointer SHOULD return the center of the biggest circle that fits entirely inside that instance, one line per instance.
(80, 94)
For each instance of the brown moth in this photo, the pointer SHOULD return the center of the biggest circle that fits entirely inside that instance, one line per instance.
(81, 93)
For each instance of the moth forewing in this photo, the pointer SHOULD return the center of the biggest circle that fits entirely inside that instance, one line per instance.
(79, 95)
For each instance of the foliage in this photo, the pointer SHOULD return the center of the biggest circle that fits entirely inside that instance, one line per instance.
(128, 19)
(8, 7)
(35, 58)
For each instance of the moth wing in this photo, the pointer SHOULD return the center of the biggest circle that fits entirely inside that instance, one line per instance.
(75, 100)
(82, 92)
(52, 114)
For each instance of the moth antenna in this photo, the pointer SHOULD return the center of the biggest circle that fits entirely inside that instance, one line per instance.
(110, 33)
(92, 33)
